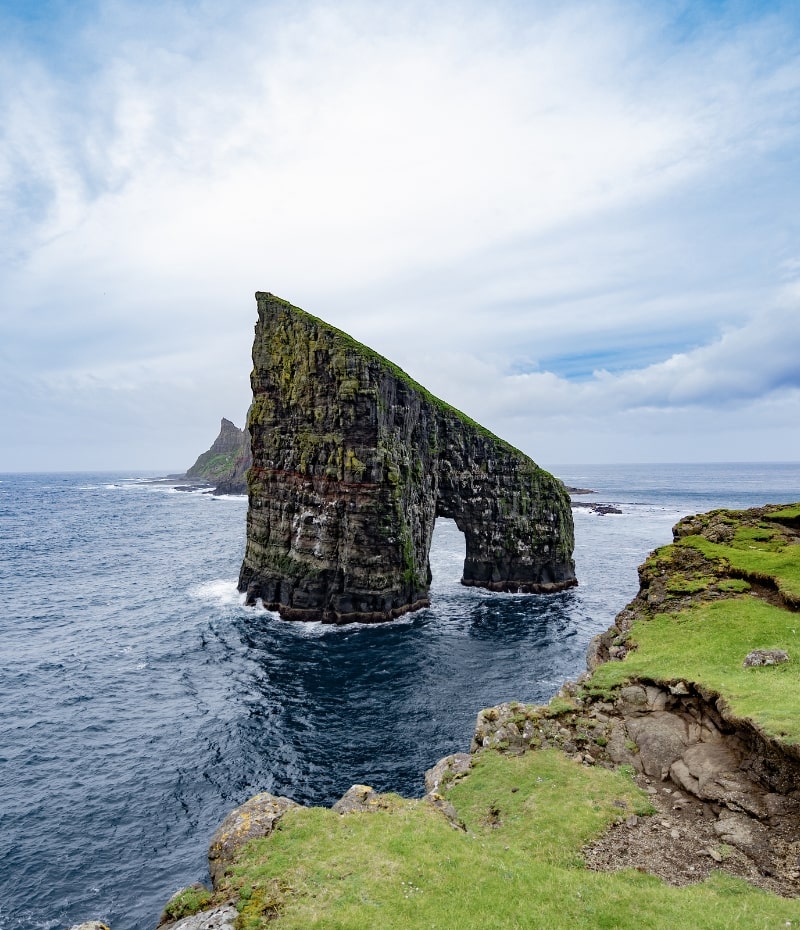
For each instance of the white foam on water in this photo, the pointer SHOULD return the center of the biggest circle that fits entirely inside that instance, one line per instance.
(221, 591)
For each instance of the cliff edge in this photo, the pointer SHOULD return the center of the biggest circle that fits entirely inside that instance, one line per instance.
(678, 756)
(352, 463)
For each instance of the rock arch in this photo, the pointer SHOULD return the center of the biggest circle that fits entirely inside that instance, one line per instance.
(352, 463)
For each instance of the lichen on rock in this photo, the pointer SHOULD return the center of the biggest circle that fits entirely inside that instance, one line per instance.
(352, 463)
(253, 819)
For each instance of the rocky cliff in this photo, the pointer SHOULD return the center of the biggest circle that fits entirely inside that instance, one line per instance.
(226, 463)
(352, 463)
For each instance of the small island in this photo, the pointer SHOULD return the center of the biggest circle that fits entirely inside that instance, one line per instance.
(353, 461)
(224, 466)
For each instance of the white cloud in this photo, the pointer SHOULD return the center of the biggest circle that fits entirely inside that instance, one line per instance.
(464, 188)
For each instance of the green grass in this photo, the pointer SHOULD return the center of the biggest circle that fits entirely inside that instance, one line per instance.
(792, 512)
(756, 555)
(518, 866)
(707, 643)
(187, 902)
(212, 465)
(679, 584)
(733, 585)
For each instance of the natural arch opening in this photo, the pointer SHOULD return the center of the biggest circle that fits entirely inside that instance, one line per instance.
(447, 553)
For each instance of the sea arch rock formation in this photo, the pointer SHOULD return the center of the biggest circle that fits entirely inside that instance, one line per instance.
(352, 463)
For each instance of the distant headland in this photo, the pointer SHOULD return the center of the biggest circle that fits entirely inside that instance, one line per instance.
(224, 466)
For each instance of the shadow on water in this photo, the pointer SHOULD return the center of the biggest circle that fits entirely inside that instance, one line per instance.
(524, 619)
(326, 707)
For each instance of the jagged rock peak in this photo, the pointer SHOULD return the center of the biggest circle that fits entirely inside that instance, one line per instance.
(353, 461)
(225, 464)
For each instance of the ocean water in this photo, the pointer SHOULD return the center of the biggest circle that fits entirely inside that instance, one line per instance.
(140, 701)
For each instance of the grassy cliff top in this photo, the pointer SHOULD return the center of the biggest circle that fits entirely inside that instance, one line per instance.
(346, 342)
(728, 585)
(516, 864)
(725, 587)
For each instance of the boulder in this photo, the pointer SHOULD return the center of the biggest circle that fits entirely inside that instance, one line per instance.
(215, 918)
(360, 798)
(255, 818)
(760, 657)
(447, 770)
(661, 738)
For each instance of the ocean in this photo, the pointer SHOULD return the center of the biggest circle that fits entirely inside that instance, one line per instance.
(140, 701)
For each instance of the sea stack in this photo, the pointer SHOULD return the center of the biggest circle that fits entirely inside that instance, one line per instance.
(353, 461)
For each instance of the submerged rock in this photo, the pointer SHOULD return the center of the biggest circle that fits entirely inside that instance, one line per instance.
(352, 463)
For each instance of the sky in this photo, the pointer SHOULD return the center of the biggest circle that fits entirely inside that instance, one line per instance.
(578, 222)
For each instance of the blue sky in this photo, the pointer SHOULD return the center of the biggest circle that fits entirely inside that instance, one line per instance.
(578, 222)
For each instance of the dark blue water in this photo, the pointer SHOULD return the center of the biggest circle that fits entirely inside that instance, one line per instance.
(140, 702)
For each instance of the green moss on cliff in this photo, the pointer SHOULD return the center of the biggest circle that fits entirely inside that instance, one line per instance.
(330, 410)
(344, 343)
(710, 616)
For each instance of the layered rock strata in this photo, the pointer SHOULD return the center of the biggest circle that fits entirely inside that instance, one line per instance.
(353, 462)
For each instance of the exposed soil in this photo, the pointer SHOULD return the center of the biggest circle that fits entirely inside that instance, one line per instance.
(679, 844)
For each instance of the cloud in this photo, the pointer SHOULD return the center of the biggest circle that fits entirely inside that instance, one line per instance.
(743, 365)
(474, 191)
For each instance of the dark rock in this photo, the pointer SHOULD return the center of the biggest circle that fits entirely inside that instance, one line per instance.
(255, 818)
(352, 463)
(601, 509)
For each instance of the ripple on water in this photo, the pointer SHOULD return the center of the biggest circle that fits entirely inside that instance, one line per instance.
(140, 700)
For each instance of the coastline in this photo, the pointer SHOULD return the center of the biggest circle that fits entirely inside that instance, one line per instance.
(686, 736)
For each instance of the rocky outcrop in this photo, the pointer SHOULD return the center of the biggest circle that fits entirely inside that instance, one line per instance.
(352, 463)
(223, 917)
(726, 787)
(255, 818)
(226, 463)
(713, 779)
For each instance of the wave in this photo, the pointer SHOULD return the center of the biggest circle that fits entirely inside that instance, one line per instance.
(221, 592)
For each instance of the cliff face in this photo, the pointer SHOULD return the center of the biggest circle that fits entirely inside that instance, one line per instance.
(225, 464)
(352, 463)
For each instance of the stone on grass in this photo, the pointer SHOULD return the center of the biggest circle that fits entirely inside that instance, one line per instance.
(759, 657)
